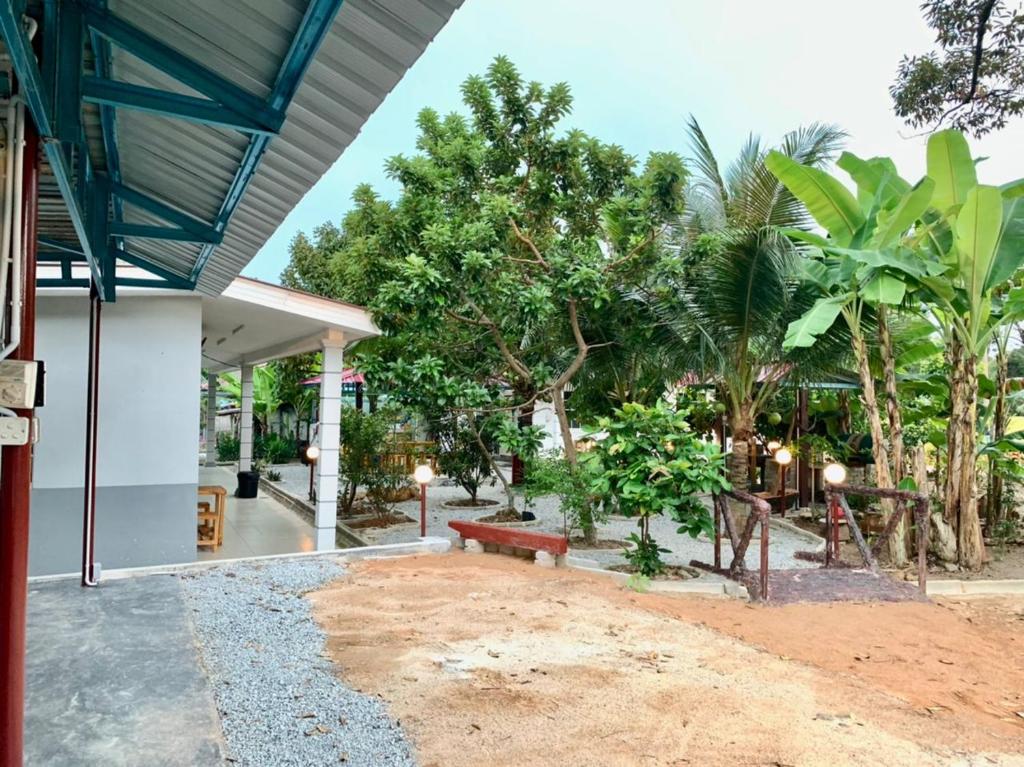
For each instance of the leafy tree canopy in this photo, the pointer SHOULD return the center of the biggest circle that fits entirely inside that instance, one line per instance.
(975, 80)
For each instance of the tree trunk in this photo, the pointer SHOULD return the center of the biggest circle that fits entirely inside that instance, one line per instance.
(741, 424)
(898, 542)
(995, 495)
(845, 414)
(510, 494)
(879, 445)
(587, 525)
(962, 505)
(942, 540)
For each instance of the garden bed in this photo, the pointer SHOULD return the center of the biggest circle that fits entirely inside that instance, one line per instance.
(670, 573)
(601, 544)
(503, 517)
(469, 503)
(365, 521)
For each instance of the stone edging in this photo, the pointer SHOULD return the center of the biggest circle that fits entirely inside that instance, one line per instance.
(943, 588)
(789, 527)
(709, 588)
(428, 545)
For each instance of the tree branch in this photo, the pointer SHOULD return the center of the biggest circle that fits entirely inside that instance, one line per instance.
(517, 367)
(979, 49)
(529, 243)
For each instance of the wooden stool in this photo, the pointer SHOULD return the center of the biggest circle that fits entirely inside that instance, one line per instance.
(220, 495)
(209, 527)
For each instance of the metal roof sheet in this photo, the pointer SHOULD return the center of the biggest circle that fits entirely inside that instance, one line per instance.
(191, 166)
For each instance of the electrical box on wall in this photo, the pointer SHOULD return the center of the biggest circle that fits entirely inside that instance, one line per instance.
(18, 383)
(15, 431)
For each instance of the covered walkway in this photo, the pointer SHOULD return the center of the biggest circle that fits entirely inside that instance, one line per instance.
(255, 527)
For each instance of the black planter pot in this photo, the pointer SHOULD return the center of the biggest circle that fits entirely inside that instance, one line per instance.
(248, 484)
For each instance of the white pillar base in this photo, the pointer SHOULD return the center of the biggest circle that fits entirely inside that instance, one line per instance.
(325, 538)
(474, 547)
(544, 559)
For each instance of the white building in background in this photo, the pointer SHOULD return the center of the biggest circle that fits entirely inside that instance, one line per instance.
(155, 344)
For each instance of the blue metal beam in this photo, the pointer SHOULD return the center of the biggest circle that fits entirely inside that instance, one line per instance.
(315, 25)
(64, 247)
(204, 231)
(143, 231)
(107, 92)
(25, 66)
(174, 63)
(68, 106)
(108, 119)
(65, 182)
(137, 282)
(174, 279)
(62, 282)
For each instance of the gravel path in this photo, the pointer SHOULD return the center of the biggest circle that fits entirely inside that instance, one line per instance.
(279, 700)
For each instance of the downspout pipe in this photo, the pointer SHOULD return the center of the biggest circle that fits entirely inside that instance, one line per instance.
(89, 575)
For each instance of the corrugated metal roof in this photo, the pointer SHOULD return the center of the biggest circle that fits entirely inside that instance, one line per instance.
(370, 46)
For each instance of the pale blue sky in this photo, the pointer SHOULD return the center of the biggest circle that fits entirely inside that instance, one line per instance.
(637, 69)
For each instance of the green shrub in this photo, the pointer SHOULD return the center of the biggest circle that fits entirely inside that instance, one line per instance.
(650, 462)
(551, 474)
(365, 438)
(274, 448)
(228, 447)
(459, 455)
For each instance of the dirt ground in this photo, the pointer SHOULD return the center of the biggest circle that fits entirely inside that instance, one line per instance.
(486, 659)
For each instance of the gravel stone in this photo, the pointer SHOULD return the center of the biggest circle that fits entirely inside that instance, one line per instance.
(279, 700)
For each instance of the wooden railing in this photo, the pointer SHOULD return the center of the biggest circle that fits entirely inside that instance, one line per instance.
(836, 498)
(760, 511)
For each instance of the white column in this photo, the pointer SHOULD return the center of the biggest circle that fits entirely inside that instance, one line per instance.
(211, 419)
(329, 440)
(245, 421)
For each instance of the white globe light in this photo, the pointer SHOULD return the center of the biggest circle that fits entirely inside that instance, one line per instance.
(783, 456)
(423, 474)
(835, 474)
(312, 452)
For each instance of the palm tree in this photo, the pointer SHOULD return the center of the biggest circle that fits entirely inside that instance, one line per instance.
(726, 307)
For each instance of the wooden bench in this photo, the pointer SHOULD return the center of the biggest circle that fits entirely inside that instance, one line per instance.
(548, 550)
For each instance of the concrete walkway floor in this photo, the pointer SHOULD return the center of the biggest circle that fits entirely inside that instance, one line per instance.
(114, 678)
(255, 527)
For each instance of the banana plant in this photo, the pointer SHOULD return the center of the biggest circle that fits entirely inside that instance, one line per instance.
(950, 239)
(861, 269)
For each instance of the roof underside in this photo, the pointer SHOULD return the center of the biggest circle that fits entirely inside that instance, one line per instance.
(193, 167)
(253, 322)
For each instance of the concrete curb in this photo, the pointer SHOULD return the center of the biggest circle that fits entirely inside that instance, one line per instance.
(698, 587)
(428, 545)
(807, 535)
(975, 588)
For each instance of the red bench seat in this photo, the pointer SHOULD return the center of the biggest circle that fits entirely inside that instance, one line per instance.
(511, 536)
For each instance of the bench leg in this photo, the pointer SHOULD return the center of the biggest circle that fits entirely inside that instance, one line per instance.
(474, 547)
(544, 559)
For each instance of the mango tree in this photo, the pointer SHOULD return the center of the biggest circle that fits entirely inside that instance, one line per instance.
(523, 233)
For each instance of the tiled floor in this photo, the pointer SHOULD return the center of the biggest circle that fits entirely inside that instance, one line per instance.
(254, 527)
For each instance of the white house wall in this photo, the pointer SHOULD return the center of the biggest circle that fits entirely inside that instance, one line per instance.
(147, 468)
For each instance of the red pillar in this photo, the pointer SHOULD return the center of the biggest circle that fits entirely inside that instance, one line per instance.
(14, 498)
